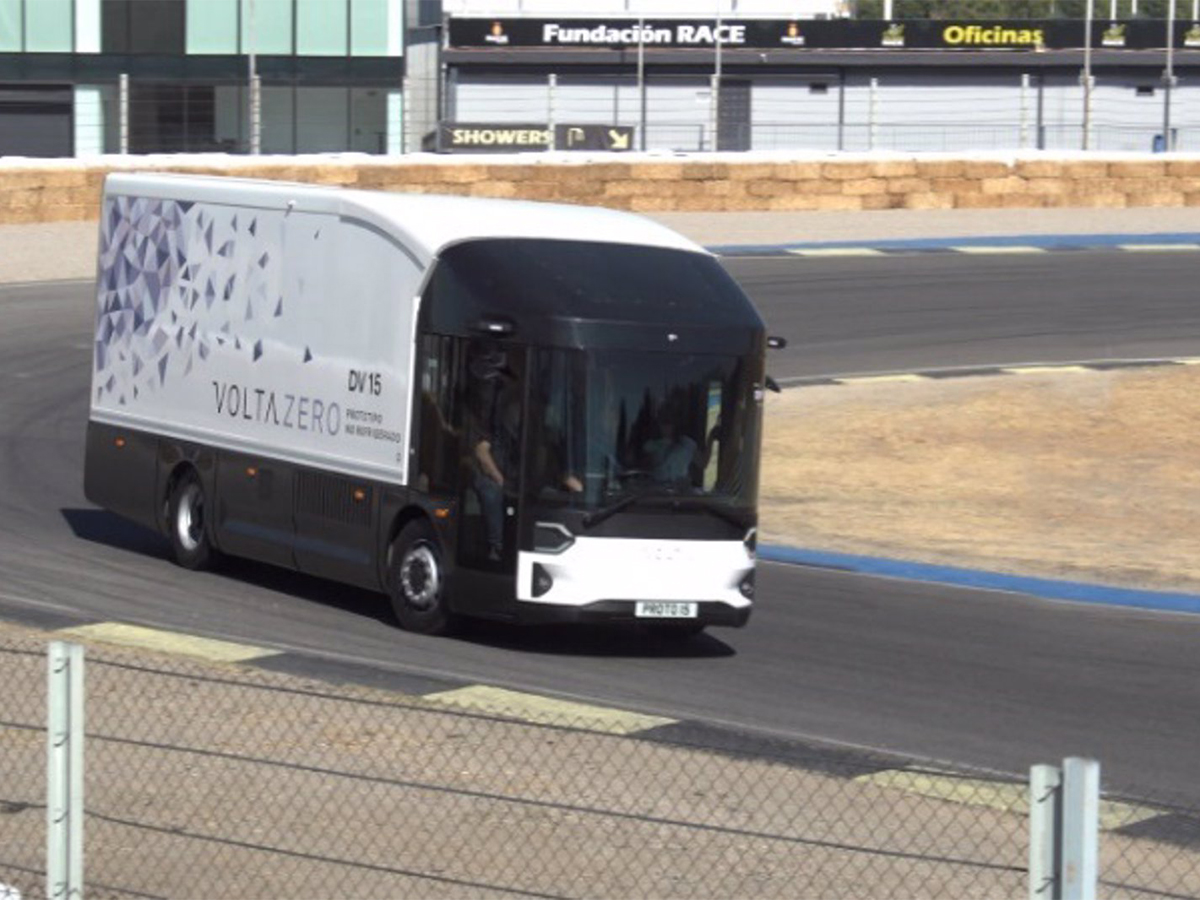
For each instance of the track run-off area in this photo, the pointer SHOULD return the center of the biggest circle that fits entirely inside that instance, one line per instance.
(985, 678)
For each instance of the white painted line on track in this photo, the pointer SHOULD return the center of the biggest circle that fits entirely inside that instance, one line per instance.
(998, 249)
(4, 285)
(877, 379)
(1044, 370)
(1159, 248)
(542, 710)
(837, 251)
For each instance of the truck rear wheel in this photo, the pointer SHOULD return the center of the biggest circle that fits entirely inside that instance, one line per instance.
(187, 524)
(417, 581)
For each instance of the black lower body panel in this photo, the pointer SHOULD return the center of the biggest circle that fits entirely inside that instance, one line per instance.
(622, 611)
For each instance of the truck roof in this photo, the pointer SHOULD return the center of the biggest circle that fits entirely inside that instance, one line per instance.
(423, 223)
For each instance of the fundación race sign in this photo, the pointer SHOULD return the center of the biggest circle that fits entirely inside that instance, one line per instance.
(507, 137)
(813, 34)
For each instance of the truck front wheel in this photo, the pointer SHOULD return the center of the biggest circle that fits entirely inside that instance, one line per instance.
(417, 581)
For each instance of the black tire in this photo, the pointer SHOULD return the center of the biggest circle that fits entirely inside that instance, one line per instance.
(187, 524)
(417, 581)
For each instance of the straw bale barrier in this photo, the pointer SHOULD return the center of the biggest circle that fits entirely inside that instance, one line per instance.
(63, 190)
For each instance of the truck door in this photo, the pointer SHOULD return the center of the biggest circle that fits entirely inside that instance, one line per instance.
(495, 413)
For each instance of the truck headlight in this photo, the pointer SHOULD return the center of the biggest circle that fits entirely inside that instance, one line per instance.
(542, 580)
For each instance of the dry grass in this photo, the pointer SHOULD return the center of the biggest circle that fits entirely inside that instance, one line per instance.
(1077, 475)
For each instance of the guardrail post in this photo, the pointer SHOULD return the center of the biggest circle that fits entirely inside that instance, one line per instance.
(1045, 818)
(1081, 828)
(64, 772)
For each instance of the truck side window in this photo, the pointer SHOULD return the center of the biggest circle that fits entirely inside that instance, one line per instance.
(439, 453)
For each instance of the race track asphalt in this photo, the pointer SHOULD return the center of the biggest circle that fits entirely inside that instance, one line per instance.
(991, 679)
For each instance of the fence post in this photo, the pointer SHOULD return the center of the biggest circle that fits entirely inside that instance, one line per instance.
(256, 115)
(1041, 112)
(1045, 818)
(551, 112)
(1081, 828)
(1024, 128)
(872, 103)
(123, 112)
(714, 112)
(1168, 78)
(1088, 82)
(841, 120)
(1086, 79)
(1064, 830)
(64, 772)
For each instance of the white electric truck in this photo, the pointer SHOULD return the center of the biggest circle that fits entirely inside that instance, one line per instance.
(493, 408)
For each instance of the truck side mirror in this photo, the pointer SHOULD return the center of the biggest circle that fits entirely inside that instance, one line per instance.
(775, 342)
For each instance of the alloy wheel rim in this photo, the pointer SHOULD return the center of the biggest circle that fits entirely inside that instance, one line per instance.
(420, 577)
(189, 521)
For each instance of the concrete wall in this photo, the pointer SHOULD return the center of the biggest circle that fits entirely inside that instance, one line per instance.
(33, 192)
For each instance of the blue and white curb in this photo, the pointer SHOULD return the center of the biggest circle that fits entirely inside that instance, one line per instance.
(1048, 588)
(1166, 242)
(914, 377)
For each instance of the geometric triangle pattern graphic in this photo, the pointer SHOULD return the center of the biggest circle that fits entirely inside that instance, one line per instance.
(172, 275)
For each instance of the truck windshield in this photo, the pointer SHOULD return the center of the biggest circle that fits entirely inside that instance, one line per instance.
(612, 424)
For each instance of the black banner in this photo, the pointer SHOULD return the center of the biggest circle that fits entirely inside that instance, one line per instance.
(508, 137)
(815, 34)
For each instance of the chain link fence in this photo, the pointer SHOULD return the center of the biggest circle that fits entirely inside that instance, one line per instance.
(212, 780)
(1125, 112)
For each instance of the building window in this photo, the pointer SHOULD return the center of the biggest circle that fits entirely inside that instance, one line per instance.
(49, 26)
(322, 116)
(369, 27)
(141, 26)
(172, 118)
(322, 27)
(12, 26)
(271, 32)
(212, 26)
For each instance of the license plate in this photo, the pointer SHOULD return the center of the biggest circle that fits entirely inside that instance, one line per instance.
(665, 609)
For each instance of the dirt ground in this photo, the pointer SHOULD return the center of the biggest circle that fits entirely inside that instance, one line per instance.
(1077, 474)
